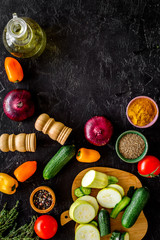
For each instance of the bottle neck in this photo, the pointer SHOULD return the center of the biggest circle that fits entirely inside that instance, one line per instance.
(18, 30)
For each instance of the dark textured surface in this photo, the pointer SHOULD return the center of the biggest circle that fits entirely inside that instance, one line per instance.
(99, 55)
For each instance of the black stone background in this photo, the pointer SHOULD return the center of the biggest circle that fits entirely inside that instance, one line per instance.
(99, 55)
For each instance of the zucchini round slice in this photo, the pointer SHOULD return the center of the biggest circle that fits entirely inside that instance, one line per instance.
(87, 232)
(82, 211)
(118, 187)
(92, 201)
(109, 197)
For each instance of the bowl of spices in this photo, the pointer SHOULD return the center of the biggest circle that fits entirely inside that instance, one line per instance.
(42, 199)
(131, 146)
(142, 112)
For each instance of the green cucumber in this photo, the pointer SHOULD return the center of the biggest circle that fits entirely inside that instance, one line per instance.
(119, 207)
(124, 236)
(78, 193)
(104, 222)
(115, 235)
(131, 192)
(82, 191)
(85, 190)
(138, 202)
(58, 161)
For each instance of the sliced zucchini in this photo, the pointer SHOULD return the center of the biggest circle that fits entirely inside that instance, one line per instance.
(92, 201)
(120, 206)
(94, 223)
(85, 190)
(82, 211)
(124, 236)
(87, 232)
(95, 179)
(118, 187)
(109, 197)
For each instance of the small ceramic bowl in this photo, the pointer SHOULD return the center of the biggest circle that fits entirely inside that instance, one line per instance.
(155, 118)
(136, 159)
(53, 199)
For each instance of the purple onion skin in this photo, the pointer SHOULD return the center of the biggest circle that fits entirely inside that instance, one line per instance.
(98, 130)
(18, 105)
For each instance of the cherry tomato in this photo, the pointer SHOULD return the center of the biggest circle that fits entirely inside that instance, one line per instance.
(45, 226)
(149, 166)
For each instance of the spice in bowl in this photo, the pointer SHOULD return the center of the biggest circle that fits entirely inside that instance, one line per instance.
(142, 111)
(42, 199)
(131, 146)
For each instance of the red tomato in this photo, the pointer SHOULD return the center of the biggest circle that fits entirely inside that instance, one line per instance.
(149, 166)
(45, 226)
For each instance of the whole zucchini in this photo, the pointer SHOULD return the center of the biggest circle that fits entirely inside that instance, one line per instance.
(58, 161)
(132, 212)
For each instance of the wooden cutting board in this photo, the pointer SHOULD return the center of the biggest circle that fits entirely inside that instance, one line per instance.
(126, 179)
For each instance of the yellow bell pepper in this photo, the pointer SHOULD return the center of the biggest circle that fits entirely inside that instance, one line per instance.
(8, 184)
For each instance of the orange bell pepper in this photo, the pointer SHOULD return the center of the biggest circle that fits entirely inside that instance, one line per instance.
(87, 155)
(8, 184)
(13, 69)
(25, 170)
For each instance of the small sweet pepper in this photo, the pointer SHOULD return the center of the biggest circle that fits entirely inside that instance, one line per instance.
(87, 155)
(13, 69)
(8, 184)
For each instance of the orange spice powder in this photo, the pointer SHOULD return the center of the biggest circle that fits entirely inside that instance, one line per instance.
(142, 111)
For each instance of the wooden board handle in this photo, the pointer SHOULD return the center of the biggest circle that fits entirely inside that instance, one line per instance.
(65, 218)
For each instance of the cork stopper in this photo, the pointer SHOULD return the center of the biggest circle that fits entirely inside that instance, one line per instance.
(22, 142)
(55, 130)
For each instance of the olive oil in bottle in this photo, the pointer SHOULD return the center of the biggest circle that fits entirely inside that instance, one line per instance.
(23, 37)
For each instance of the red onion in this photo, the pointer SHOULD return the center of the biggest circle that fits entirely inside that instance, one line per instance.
(18, 105)
(98, 130)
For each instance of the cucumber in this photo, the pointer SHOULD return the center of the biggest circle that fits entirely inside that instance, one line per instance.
(78, 193)
(92, 201)
(115, 235)
(118, 187)
(82, 211)
(104, 222)
(138, 202)
(109, 197)
(85, 190)
(58, 161)
(119, 207)
(81, 191)
(124, 236)
(95, 179)
(87, 232)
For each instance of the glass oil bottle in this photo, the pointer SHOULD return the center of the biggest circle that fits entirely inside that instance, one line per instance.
(23, 37)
